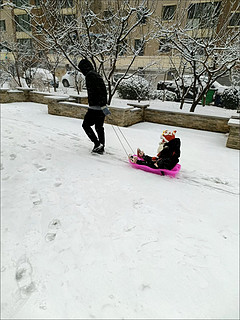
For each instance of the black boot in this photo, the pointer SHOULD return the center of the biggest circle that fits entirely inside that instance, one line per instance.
(98, 148)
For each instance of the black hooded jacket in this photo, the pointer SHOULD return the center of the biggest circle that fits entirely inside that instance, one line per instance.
(169, 156)
(97, 92)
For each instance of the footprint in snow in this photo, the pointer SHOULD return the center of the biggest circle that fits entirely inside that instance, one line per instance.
(26, 287)
(57, 184)
(40, 167)
(35, 197)
(48, 156)
(13, 156)
(23, 277)
(32, 141)
(53, 226)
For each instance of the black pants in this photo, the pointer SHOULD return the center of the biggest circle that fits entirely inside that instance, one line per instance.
(164, 163)
(147, 161)
(94, 117)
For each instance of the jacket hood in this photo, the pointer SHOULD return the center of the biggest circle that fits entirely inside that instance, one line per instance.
(85, 66)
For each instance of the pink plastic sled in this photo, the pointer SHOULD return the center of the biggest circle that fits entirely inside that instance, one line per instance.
(161, 172)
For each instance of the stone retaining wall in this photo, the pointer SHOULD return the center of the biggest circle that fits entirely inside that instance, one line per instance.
(40, 97)
(66, 109)
(119, 116)
(233, 140)
(129, 115)
(124, 117)
(8, 96)
(186, 120)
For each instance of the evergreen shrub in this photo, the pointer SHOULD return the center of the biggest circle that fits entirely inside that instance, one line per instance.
(134, 88)
(230, 98)
(164, 95)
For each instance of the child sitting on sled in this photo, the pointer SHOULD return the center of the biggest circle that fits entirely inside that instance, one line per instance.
(167, 158)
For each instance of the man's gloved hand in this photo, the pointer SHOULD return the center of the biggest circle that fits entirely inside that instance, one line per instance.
(105, 110)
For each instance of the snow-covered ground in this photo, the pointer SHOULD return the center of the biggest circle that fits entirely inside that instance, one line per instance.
(87, 236)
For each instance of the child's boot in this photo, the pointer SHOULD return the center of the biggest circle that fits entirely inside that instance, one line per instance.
(132, 158)
(140, 153)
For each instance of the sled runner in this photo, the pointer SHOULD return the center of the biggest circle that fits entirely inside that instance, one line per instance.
(161, 172)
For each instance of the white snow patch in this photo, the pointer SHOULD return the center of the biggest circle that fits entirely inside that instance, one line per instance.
(87, 236)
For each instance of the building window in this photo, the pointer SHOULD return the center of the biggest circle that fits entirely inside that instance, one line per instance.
(37, 3)
(25, 45)
(23, 22)
(142, 15)
(203, 15)
(4, 47)
(107, 14)
(199, 50)
(122, 48)
(38, 29)
(168, 12)
(139, 47)
(164, 45)
(69, 18)
(20, 3)
(2, 25)
(235, 19)
(66, 4)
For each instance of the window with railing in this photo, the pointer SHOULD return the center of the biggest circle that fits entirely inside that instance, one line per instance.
(69, 18)
(139, 47)
(164, 45)
(107, 16)
(200, 48)
(203, 15)
(168, 12)
(4, 47)
(66, 3)
(235, 19)
(2, 25)
(142, 15)
(20, 3)
(122, 48)
(22, 23)
(25, 45)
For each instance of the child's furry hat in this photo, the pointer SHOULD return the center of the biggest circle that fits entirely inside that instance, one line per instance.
(168, 135)
(165, 137)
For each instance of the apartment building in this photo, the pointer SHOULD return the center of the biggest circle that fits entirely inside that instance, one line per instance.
(15, 25)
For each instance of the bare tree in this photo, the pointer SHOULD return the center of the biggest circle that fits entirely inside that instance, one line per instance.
(19, 57)
(92, 30)
(23, 53)
(204, 42)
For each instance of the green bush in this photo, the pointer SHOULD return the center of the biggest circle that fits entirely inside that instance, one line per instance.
(230, 98)
(163, 95)
(134, 88)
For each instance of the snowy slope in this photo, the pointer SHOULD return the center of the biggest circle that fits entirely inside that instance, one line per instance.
(87, 236)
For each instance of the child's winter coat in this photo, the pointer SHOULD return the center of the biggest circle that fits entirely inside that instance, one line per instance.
(166, 159)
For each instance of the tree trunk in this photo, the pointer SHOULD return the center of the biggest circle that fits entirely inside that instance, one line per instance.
(18, 76)
(181, 104)
(109, 98)
(54, 83)
(204, 100)
(193, 106)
